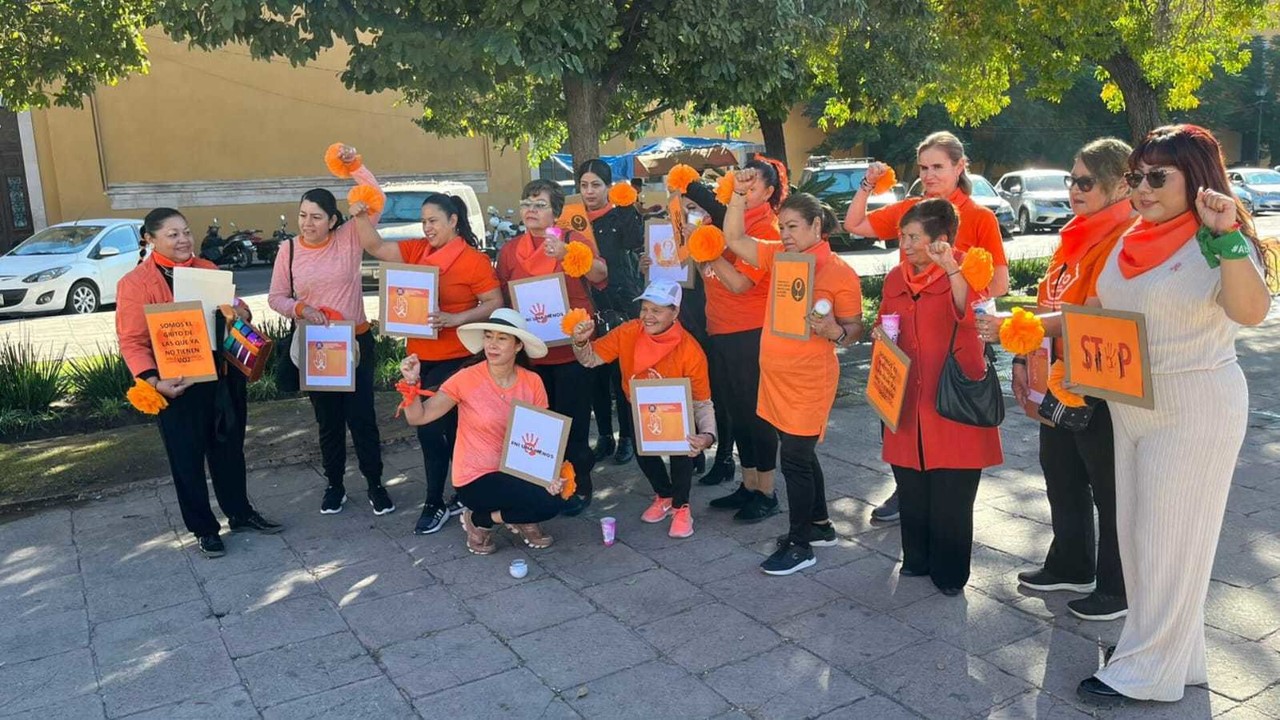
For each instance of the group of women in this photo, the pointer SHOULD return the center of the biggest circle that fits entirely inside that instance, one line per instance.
(1156, 231)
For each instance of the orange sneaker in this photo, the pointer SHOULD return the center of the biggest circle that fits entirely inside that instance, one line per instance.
(658, 511)
(681, 523)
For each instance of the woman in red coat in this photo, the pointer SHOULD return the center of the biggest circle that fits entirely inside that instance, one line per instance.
(936, 462)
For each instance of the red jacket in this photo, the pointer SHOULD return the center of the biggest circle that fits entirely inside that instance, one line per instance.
(143, 285)
(925, 440)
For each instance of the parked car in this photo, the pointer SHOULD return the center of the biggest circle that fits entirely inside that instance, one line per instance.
(985, 195)
(1039, 198)
(70, 267)
(1257, 188)
(402, 217)
(835, 182)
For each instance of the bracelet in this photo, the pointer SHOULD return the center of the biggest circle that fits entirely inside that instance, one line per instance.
(1019, 360)
(953, 274)
(865, 186)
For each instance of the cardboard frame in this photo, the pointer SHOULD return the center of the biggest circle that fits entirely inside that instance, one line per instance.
(777, 290)
(687, 280)
(197, 306)
(637, 388)
(1073, 334)
(512, 291)
(507, 446)
(888, 415)
(352, 353)
(433, 299)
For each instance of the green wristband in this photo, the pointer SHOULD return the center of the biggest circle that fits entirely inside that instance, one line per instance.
(1229, 246)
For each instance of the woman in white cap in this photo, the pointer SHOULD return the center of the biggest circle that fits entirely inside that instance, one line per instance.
(484, 392)
(656, 346)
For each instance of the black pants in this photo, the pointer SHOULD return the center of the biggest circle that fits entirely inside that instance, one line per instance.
(1079, 473)
(673, 484)
(206, 424)
(568, 392)
(738, 354)
(518, 500)
(806, 486)
(437, 437)
(336, 412)
(606, 391)
(721, 390)
(936, 509)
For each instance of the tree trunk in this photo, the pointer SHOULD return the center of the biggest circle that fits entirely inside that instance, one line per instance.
(775, 142)
(1141, 101)
(584, 103)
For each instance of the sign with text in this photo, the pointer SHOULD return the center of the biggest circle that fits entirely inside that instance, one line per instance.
(543, 301)
(328, 362)
(1106, 354)
(533, 449)
(887, 381)
(663, 414)
(180, 341)
(408, 295)
(791, 295)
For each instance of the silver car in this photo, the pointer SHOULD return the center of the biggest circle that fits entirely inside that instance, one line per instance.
(1257, 188)
(1039, 198)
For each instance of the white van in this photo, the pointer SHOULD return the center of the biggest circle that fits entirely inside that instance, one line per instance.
(402, 216)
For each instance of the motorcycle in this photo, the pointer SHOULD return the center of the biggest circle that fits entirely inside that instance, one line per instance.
(223, 252)
(246, 241)
(502, 231)
(268, 249)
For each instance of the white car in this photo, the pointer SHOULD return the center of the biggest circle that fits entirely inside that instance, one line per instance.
(71, 267)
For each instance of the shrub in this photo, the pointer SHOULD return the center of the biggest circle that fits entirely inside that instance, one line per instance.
(100, 381)
(264, 388)
(29, 383)
(1025, 274)
(387, 353)
(872, 287)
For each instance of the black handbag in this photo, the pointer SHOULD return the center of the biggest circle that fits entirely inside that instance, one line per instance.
(971, 402)
(1075, 419)
(286, 372)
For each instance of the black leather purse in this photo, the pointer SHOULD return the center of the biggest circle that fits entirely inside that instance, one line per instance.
(287, 380)
(971, 402)
(1075, 419)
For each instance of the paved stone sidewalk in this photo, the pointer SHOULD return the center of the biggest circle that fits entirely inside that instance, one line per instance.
(106, 610)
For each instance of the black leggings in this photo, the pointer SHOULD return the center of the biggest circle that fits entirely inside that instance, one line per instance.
(738, 354)
(936, 508)
(568, 392)
(606, 390)
(674, 484)
(336, 412)
(437, 437)
(519, 501)
(806, 486)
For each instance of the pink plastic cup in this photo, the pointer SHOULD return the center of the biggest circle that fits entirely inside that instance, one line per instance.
(609, 529)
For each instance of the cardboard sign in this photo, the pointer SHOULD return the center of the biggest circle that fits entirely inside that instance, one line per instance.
(887, 381)
(663, 414)
(791, 295)
(676, 214)
(533, 448)
(328, 362)
(180, 341)
(1106, 354)
(575, 218)
(245, 347)
(543, 301)
(664, 255)
(212, 288)
(408, 295)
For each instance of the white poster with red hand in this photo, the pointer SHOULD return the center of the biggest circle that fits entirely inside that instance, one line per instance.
(534, 446)
(543, 301)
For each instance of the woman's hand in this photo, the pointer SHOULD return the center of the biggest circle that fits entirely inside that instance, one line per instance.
(941, 254)
(583, 331)
(555, 247)
(644, 263)
(1021, 384)
(357, 209)
(444, 320)
(347, 154)
(1216, 211)
(174, 387)
(411, 369)
(825, 326)
(242, 311)
(989, 328)
(878, 334)
(875, 171)
(698, 443)
(556, 486)
(314, 316)
(743, 179)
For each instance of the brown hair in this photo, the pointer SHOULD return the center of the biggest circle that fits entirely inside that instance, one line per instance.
(936, 215)
(1108, 160)
(553, 191)
(951, 145)
(811, 208)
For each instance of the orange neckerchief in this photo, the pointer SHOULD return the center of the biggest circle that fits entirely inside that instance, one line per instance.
(761, 223)
(444, 256)
(1082, 233)
(918, 281)
(163, 261)
(651, 349)
(594, 215)
(1147, 245)
(530, 257)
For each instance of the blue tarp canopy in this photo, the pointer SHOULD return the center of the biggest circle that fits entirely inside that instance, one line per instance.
(656, 157)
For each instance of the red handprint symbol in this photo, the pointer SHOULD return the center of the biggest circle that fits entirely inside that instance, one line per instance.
(539, 313)
(529, 443)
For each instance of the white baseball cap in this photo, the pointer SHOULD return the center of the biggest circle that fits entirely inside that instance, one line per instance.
(663, 292)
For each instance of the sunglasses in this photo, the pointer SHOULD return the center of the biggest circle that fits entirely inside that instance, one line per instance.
(1084, 182)
(1155, 178)
(535, 205)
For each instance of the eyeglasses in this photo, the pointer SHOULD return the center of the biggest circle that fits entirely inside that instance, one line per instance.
(535, 205)
(1084, 182)
(1155, 178)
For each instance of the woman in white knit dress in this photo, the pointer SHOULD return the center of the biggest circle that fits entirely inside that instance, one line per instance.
(1190, 266)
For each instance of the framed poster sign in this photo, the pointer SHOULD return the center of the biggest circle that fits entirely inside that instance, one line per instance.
(533, 449)
(791, 295)
(663, 414)
(887, 381)
(328, 356)
(1106, 354)
(407, 296)
(574, 217)
(663, 248)
(180, 341)
(543, 302)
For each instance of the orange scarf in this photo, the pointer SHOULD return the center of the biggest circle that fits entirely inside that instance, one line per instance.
(165, 262)
(1147, 245)
(531, 258)
(446, 255)
(651, 349)
(761, 223)
(1084, 232)
(594, 215)
(918, 281)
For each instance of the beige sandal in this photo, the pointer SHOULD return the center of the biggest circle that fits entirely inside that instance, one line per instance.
(479, 540)
(531, 534)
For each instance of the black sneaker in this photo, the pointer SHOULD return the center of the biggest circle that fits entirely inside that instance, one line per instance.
(455, 507)
(334, 498)
(819, 536)
(718, 473)
(789, 559)
(1093, 690)
(1099, 607)
(626, 452)
(888, 510)
(433, 518)
(758, 507)
(211, 546)
(733, 500)
(605, 447)
(1044, 581)
(576, 504)
(254, 521)
(381, 501)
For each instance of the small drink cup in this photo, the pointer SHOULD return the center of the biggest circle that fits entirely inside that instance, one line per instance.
(889, 324)
(821, 309)
(519, 568)
(985, 306)
(609, 529)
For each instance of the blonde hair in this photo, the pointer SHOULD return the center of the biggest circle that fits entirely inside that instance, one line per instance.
(951, 145)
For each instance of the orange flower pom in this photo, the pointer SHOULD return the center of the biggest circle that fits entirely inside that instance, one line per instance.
(571, 320)
(1021, 333)
(623, 195)
(371, 196)
(1057, 376)
(885, 184)
(977, 268)
(145, 398)
(706, 243)
(577, 259)
(335, 164)
(570, 482)
(680, 176)
(724, 189)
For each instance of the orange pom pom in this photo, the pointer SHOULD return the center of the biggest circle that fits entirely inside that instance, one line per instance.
(571, 320)
(885, 184)
(371, 196)
(570, 481)
(145, 398)
(680, 176)
(706, 243)
(724, 189)
(623, 195)
(335, 164)
(577, 259)
(1021, 333)
(1058, 376)
(978, 268)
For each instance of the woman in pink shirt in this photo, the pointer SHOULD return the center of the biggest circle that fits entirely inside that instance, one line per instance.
(317, 279)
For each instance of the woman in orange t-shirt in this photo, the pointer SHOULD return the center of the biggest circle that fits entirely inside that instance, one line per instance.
(798, 377)
(468, 292)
